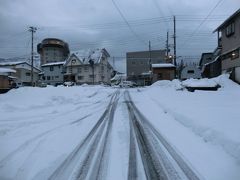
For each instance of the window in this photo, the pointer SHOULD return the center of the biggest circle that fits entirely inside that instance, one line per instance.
(190, 71)
(86, 69)
(79, 70)
(28, 74)
(56, 77)
(48, 77)
(91, 76)
(80, 77)
(43, 78)
(231, 55)
(133, 62)
(51, 68)
(230, 29)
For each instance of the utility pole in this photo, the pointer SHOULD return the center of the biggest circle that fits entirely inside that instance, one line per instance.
(150, 55)
(167, 45)
(174, 39)
(32, 30)
(114, 63)
(91, 62)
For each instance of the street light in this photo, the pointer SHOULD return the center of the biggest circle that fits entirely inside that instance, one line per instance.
(91, 62)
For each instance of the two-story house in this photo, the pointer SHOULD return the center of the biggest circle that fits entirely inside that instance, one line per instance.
(52, 73)
(23, 72)
(229, 41)
(88, 66)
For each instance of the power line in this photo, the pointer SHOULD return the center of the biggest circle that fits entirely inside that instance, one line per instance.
(125, 20)
(203, 21)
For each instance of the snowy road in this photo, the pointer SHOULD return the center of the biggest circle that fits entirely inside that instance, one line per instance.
(102, 133)
(159, 159)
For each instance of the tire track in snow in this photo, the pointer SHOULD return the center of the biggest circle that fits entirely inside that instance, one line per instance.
(91, 164)
(38, 137)
(159, 158)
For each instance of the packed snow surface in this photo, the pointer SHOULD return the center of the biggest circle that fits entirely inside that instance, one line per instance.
(41, 127)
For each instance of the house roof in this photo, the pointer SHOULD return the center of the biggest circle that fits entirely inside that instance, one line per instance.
(53, 64)
(234, 15)
(17, 63)
(7, 70)
(163, 65)
(204, 55)
(86, 54)
(12, 63)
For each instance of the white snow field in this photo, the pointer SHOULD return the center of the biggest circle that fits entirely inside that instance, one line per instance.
(97, 132)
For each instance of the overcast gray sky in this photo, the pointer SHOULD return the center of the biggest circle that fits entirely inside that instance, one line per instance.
(97, 24)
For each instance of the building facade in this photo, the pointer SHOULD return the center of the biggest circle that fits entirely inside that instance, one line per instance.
(190, 71)
(52, 73)
(163, 71)
(52, 50)
(6, 79)
(229, 42)
(23, 72)
(139, 65)
(88, 66)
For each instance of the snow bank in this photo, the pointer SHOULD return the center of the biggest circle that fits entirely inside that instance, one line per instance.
(213, 116)
(174, 84)
(199, 83)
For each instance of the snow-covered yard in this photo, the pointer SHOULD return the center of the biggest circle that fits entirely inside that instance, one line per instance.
(41, 130)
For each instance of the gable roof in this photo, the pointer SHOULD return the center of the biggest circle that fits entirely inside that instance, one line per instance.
(53, 64)
(205, 58)
(86, 54)
(18, 63)
(234, 15)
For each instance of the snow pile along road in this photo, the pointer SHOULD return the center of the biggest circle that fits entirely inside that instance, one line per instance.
(203, 125)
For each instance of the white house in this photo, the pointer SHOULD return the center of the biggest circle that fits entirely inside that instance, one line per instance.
(23, 71)
(190, 71)
(52, 73)
(88, 66)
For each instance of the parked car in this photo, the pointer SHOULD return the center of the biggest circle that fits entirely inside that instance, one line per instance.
(127, 84)
(68, 83)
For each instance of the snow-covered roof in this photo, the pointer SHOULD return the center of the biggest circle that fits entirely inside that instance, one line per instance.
(212, 61)
(86, 54)
(53, 64)
(7, 70)
(12, 63)
(199, 83)
(162, 65)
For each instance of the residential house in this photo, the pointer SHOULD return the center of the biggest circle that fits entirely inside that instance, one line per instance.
(88, 66)
(23, 71)
(52, 73)
(190, 71)
(6, 79)
(229, 42)
(139, 65)
(163, 71)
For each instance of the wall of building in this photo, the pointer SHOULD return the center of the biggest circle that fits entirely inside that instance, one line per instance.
(229, 43)
(190, 72)
(163, 74)
(4, 82)
(53, 74)
(83, 73)
(237, 74)
(139, 62)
